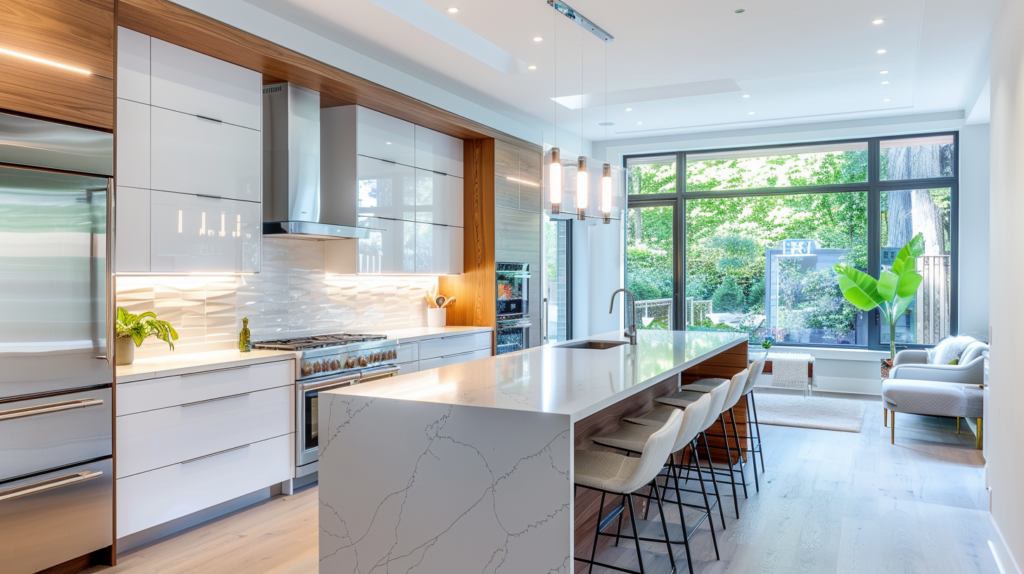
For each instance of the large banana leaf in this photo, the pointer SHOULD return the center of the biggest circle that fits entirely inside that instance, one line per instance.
(905, 258)
(859, 288)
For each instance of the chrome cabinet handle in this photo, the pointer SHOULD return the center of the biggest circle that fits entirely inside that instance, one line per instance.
(209, 119)
(213, 454)
(49, 484)
(215, 400)
(50, 408)
(209, 196)
(215, 371)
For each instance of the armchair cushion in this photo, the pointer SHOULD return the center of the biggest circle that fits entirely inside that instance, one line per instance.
(928, 398)
(964, 373)
(948, 349)
(911, 357)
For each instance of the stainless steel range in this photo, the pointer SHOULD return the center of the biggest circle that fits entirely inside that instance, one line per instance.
(327, 362)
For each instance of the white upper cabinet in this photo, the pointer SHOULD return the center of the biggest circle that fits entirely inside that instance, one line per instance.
(398, 243)
(133, 138)
(454, 210)
(438, 249)
(196, 155)
(384, 137)
(455, 249)
(132, 224)
(190, 233)
(385, 189)
(438, 198)
(132, 66)
(438, 152)
(197, 84)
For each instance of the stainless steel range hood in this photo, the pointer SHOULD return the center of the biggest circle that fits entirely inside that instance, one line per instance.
(293, 205)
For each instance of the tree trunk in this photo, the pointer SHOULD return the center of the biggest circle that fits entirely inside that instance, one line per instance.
(912, 212)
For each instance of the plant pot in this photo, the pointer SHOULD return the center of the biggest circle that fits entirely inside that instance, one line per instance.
(124, 351)
(437, 317)
(886, 365)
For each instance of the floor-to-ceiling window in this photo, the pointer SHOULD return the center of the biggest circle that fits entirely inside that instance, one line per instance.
(746, 239)
(557, 280)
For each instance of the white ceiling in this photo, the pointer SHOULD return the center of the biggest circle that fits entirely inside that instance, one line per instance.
(798, 60)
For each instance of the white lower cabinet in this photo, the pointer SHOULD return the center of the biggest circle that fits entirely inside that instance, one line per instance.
(152, 498)
(195, 155)
(453, 345)
(190, 233)
(453, 359)
(406, 368)
(154, 439)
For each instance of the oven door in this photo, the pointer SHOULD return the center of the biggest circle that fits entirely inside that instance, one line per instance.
(513, 335)
(307, 420)
(513, 288)
(370, 375)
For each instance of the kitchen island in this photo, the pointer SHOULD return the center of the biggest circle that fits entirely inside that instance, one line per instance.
(468, 468)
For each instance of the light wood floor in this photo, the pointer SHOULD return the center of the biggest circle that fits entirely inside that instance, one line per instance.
(830, 502)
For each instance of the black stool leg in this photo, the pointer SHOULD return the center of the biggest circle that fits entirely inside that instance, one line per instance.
(732, 473)
(760, 447)
(739, 449)
(714, 480)
(618, 528)
(664, 529)
(597, 534)
(707, 504)
(636, 535)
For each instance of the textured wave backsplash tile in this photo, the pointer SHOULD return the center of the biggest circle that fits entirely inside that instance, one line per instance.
(291, 296)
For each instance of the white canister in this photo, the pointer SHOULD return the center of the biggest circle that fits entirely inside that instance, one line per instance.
(437, 317)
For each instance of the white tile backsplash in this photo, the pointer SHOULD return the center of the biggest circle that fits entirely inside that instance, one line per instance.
(291, 296)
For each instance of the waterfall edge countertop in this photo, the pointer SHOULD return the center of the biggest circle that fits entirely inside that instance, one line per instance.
(555, 379)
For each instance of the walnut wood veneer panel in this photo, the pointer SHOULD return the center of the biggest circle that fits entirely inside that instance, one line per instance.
(77, 33)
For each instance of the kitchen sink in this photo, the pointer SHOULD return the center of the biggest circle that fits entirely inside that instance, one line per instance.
(601, 345)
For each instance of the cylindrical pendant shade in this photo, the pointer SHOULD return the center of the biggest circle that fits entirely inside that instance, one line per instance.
(555, 181)
(582, 188)
(606, 193)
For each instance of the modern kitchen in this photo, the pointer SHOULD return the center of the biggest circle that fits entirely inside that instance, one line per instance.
(268, 304)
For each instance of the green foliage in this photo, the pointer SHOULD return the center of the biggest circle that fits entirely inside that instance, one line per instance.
(728, 298)
(141, 327)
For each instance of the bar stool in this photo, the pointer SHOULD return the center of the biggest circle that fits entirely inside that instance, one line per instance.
(684, 398)
(620, 475)
(633, 437)
(657, 418)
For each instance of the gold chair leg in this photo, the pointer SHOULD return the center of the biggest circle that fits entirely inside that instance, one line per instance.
(885, 416)
(979, 443)
(957, 425)
(892, 429)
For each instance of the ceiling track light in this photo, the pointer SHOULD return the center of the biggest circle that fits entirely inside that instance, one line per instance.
(580, 19)
(582, 188)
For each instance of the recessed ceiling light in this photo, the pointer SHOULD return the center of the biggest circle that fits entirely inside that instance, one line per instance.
(740, 10)
(886, 100)
(751, 113)
(746, 95)
(882, 51)
(629, 109)
(389, 143)
(538, 39)
(453, 10)
(885, 83)
(531, 67)
(884, 72)
(639, 123)
(878, 21)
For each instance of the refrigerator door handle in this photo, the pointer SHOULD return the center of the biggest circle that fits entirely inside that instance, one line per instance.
(109, 279)
(49, 484)
(50, 408)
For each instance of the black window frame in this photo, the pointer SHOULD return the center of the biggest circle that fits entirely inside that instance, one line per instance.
(874, 186)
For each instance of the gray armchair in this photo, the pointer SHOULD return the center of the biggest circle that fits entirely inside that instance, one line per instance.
(913, 364)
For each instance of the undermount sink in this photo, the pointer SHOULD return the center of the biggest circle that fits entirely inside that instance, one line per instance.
(601, 345)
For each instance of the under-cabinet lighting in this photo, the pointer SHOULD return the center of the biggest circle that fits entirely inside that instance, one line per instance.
(582, 188)
(523, 181)
(42, 61)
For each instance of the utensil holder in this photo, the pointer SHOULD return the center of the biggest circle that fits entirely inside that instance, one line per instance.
(437, 317)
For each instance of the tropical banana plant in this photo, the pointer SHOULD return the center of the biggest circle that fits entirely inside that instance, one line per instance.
(891, 293)
(140, 327)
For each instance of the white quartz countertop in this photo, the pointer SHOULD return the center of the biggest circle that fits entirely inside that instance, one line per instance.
(552, 379)
(187, 363)
(420, 333)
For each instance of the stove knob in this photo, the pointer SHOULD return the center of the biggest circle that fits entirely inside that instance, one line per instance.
(349, 364)
(376, 357)
(325, 365)
(316, 367)
(307, 370)
(335, 364)
(393, 355)
(362, 361)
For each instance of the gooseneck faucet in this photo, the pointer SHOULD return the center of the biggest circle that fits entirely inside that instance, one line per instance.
(631, 327)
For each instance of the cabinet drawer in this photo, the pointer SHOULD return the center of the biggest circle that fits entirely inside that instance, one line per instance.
(50, 432)
(152, 498)
(57, 524)
(433, 348)
(133, 141)
(386, 190)
(408, 352)
(203, 234)
(132, 221)
(197, 84)
(438, 152)
(154, 439)
(406, 368)
(152, 394)
(448, 360)
(384, 137)
(193, 155)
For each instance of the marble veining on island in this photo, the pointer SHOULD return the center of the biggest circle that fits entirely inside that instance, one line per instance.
(468, 468)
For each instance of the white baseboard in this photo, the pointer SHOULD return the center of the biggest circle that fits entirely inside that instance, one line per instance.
(1001, 552)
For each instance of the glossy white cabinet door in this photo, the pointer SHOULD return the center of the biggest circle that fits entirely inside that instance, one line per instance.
(398, 245)
(132, 66)
(197, 84)
(385, 189)
(193, 155)
(132, 225)
(133, 140)
(455, 201)
(383, 137)
(438, 198)
(456, 246)
(434, 248)
(439, 152)
(201, 234)
(370, 253)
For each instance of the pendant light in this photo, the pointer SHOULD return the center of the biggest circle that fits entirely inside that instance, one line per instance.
(555, 178)
(606, 193)
(582, 188)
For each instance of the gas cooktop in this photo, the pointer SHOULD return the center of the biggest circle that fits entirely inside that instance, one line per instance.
(317, 342)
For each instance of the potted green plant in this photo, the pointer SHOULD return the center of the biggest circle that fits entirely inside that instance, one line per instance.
(132, 330)
(891, 293)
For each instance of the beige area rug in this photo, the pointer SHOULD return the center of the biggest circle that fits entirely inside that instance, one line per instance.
(812, 413)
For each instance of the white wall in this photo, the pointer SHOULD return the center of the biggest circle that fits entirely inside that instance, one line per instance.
(973, 236)
(597, 268)
(1003, 429)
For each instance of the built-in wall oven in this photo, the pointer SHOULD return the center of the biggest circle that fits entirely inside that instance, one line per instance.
(513, 307)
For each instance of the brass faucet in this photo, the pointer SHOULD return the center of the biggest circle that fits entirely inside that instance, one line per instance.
(631, 327)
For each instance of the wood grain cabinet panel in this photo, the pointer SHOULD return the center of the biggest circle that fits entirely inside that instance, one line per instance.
(77, 33)
(506, 165)
(529, 181)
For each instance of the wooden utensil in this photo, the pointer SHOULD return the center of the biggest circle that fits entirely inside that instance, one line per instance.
(449, 302)
(440, 301)
(430, 301)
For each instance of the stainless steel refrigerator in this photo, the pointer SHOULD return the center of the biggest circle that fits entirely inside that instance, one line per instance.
(56, 377)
